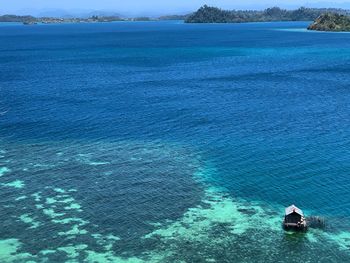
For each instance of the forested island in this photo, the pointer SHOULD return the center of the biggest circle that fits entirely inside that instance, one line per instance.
(207, 14)
(331, 22)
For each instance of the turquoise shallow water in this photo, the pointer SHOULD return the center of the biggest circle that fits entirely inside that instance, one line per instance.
(172, 142)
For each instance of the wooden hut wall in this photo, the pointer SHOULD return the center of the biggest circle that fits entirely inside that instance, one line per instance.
(293, 218)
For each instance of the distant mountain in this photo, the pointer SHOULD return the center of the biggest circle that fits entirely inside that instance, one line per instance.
(54, 13)
(207, 14)
(101, 13)
(331, 22)
(62, 13)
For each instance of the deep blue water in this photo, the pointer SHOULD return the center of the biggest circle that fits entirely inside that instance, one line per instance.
(125, 141)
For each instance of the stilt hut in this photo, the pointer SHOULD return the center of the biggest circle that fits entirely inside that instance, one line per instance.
(294, 219)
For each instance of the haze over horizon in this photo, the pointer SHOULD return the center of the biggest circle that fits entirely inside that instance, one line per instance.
(150, 8)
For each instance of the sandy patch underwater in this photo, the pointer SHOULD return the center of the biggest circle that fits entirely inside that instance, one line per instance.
(81, 200)
(137, 202)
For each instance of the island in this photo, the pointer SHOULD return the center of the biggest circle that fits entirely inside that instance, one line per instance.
(331, 22)
(174, 17)
(15, 18)
(208, 14)
(31, 20)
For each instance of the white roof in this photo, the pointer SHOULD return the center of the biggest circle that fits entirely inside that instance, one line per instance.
(293, 209)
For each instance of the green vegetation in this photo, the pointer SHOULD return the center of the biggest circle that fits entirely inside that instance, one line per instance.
(14, 18)
(142, 18)
(207, 14)
(174, 17)
(331, 22)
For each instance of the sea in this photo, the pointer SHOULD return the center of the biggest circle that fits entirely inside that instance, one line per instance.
(173, 142)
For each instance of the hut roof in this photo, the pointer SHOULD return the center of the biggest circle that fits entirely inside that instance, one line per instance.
(293, 209)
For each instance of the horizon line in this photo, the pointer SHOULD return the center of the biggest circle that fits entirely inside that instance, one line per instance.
(74, 12)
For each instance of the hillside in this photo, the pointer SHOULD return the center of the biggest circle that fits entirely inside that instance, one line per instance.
(331, 22)
(207, 14)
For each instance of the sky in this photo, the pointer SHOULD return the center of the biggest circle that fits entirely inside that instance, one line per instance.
(150, 7)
